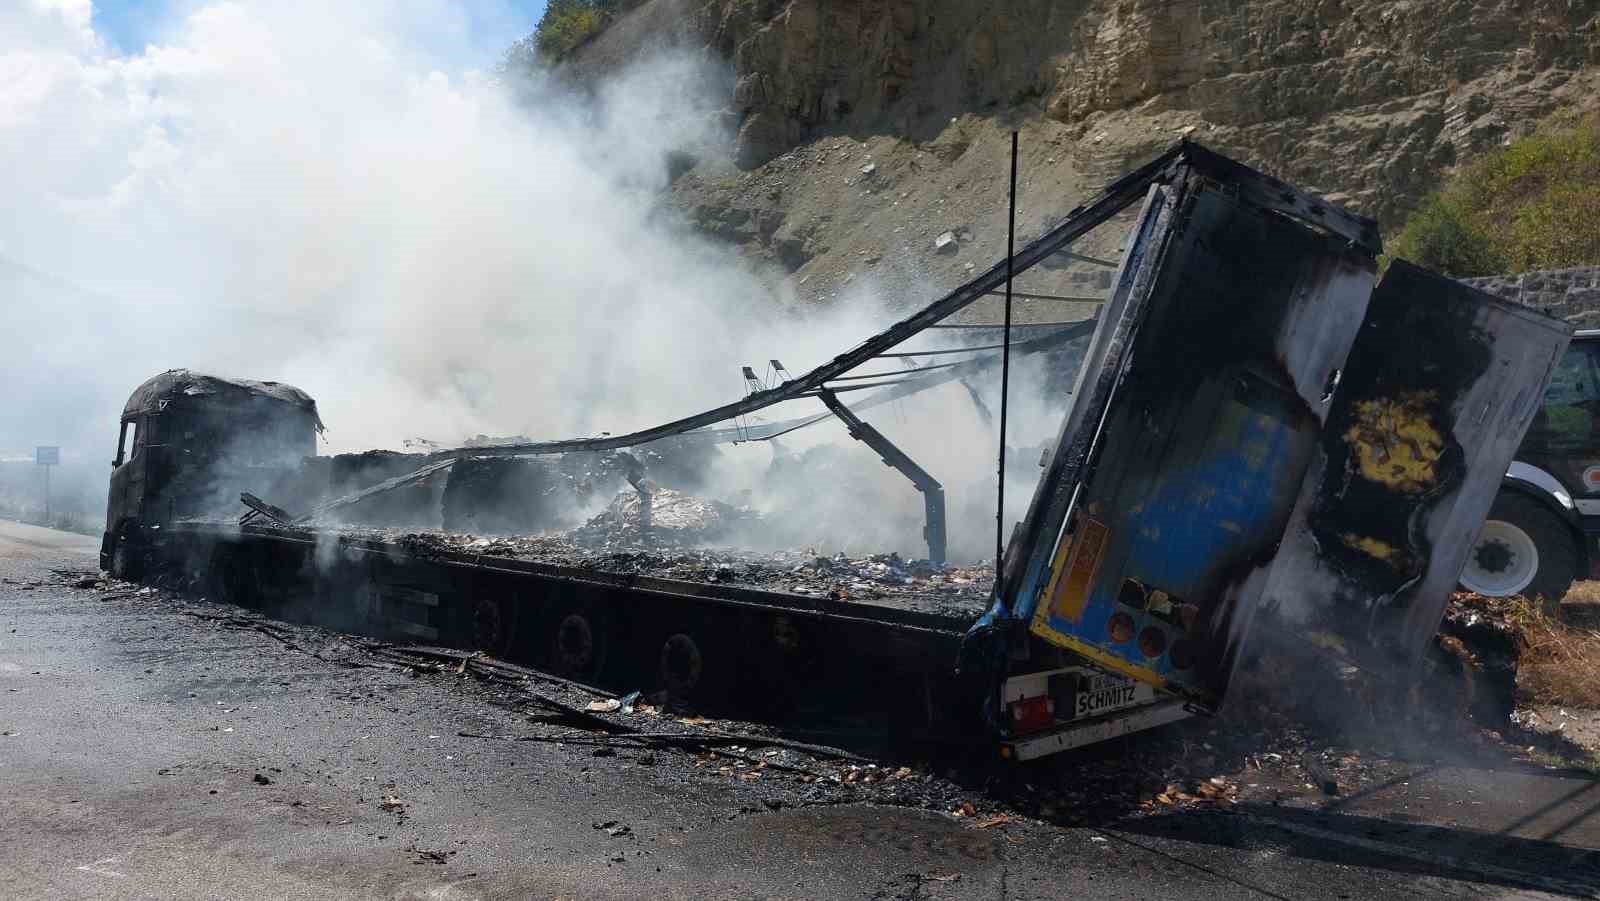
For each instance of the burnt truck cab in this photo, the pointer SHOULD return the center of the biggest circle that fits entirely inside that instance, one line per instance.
(188, 444)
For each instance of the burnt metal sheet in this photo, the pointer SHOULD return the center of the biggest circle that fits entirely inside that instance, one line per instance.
(1437, 394)
(1185, 462)
(178, 384)
(400, 481)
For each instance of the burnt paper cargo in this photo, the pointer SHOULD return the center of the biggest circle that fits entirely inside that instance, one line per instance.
(1255, 443)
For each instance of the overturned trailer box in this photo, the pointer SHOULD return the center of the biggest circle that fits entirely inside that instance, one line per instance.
(1263, 442)
(1258, 440)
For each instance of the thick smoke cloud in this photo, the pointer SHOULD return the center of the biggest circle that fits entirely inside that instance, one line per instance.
(304, 192)
(291, 191)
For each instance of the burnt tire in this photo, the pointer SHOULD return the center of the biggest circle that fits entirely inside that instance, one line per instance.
(702, 667)
(1522, 549)
(681, 667)
(579, 643)
(493, 626)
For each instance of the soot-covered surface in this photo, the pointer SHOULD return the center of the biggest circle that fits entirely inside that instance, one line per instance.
(957, 592)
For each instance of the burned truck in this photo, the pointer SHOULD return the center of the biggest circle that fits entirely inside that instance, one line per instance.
(1261, 439)
(185, 441)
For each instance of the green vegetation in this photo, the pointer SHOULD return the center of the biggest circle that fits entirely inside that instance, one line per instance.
(565, 26)
(1530, 205)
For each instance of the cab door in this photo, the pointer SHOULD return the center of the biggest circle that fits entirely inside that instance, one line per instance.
(125, 498)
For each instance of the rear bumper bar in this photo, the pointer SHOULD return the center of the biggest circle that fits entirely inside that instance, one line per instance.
(1076, 735)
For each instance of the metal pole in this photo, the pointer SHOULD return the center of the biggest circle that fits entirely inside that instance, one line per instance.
(1005, 368)
(47, 494)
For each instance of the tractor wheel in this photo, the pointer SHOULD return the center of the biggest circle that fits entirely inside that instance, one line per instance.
(1523, 549)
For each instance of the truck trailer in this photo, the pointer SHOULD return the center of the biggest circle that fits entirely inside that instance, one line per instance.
(1258, 439)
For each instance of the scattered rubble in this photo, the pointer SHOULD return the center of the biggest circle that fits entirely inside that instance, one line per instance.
(432, 855)
(959, 591)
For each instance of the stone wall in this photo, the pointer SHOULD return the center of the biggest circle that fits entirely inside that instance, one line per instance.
(1572, 294)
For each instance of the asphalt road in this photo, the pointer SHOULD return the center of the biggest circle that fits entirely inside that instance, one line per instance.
(134, 727)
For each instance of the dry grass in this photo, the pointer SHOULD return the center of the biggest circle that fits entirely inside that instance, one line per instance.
(1583, 594)
(1561, 655)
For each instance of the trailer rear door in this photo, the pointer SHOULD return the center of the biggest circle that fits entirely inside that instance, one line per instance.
(1439, 390)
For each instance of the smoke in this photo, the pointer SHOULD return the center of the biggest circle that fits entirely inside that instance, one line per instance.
(315, 193)
(296, 191)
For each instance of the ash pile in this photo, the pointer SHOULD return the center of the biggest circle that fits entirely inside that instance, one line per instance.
(1466, 685)
(663, 517)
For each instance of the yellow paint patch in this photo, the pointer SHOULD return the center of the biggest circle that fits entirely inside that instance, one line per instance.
(1101, 658)
(1077, 581)
(1372, 547)
(1395, 443)
(1058, 569)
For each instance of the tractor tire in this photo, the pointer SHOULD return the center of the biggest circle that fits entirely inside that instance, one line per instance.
(1523, 549)
(127, 564)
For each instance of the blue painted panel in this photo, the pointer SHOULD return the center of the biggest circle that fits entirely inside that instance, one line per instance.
(1216, 494)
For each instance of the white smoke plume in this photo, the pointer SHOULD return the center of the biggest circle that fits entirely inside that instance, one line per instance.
(290, 190)
(302, 191)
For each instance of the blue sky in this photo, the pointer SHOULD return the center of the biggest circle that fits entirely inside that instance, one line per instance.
(128, 25)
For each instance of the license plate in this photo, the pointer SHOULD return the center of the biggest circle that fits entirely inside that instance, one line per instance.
(1102, 692)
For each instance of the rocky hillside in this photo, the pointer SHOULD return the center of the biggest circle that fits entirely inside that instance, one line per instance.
(865, 128)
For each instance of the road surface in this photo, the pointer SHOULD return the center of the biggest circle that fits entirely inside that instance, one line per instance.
(154, 747)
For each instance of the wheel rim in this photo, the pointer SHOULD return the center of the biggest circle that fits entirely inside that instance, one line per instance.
(574, 644)
(1503, 562)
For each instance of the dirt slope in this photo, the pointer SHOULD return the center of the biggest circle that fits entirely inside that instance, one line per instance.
(865, 128)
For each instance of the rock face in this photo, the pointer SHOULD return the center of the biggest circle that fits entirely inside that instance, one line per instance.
(1362, 95)
(1369, 101)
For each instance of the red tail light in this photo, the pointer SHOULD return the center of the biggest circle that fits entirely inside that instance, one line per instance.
(1032, 714)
